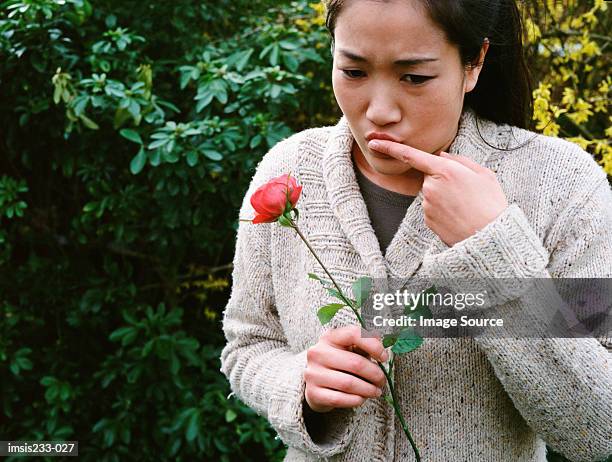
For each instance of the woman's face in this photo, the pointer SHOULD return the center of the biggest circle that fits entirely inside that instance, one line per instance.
(418, 104)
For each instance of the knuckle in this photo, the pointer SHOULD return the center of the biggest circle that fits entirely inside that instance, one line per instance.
(380, 350)
(313, 395)
(312, 354)
(308, 374)
(346, 382)
(327, 335)
(449, 172)
(334, 400)
(375, 347)
(354, 363)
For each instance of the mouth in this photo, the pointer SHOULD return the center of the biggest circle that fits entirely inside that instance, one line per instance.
(381, 136)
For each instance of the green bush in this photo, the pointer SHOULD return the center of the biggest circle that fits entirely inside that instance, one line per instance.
(131, 132)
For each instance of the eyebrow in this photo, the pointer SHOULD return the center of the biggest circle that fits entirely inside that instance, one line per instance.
(399, 62)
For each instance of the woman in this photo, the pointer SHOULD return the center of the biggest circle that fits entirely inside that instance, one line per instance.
(433, 94)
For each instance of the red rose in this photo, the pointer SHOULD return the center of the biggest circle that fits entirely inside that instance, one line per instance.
(277, 196)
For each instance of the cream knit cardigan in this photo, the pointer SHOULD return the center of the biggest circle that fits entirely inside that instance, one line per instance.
(470, 399)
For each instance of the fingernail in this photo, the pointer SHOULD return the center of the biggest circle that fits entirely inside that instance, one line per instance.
(379, 393)
(385, 356)
(374, 144)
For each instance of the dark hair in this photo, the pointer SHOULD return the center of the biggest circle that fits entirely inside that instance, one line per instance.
(503, 93)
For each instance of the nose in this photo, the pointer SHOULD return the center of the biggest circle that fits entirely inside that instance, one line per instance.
(383, 108)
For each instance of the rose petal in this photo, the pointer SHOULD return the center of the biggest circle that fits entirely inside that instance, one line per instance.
(274, 198)
(264, 219)
(265, 201)
(294, 195)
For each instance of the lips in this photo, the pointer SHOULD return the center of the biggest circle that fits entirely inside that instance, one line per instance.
(381, 136)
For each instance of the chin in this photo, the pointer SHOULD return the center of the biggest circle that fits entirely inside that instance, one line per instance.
(386, 167)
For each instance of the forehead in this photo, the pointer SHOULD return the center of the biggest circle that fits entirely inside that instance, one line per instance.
(389, 29)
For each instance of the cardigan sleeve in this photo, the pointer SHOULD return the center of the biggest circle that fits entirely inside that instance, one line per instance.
(561, 386)
(262, 369)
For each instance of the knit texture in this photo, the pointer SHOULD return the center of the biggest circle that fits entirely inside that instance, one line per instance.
(386, 208)
(464, 399)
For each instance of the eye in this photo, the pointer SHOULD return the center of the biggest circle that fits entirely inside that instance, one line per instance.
(350, 73)
(418, 79)
(412, 78)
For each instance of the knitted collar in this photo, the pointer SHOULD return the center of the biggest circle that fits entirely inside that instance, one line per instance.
(407, 248)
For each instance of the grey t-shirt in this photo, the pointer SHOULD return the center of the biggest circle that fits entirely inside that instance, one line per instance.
(386, 208)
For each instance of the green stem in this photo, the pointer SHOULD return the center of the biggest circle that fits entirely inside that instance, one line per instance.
(344, 299)
(380, 365)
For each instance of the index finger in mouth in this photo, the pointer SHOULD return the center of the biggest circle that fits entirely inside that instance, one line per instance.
(420, 160)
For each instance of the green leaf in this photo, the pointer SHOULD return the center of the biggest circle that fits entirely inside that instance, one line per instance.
(335, 293)
(90, 207)
(230, 415)
(421, 309)
(193, 427)
(266, 50)
(274, 55)
(326, 313)
(212, 154)
(407, 341)
(244, 59)
(48, 380)
(155, 158)
(205, 99)
(275, 91)
(311, 55)
(239, 59)
(287, 45)
(131, 135)
(291, 62)
(158, 143)
(57, 93)
(138, 162)
(117, 334)
(24, 363)
(255, 141)
(175, 364)
(192, 158)
(129, 337)
(389, 340)
(315, 277)
(89, 123)
(361, 290)
(64, 392)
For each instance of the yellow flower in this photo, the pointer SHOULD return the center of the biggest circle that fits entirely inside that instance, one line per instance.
(580, 141)
(552, 129)
(582, 113)
(569, 96)
(533, 31)
(590, 48)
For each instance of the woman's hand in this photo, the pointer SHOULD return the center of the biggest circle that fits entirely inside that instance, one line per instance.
(460, 196)
(339, 372)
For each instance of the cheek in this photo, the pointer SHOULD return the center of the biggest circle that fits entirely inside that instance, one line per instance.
(444, 93)
(344, 96)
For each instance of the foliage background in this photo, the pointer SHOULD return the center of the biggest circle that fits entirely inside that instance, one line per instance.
(130, 131)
